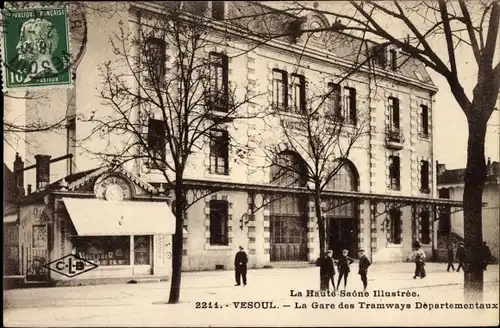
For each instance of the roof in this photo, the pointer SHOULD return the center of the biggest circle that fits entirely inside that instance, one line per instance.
(270, 21)
(456, 176)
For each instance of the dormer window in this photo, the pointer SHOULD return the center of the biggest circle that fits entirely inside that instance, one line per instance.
(218, 10)
(393, 53)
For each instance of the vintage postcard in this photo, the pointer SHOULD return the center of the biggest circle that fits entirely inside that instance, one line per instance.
(251, 163)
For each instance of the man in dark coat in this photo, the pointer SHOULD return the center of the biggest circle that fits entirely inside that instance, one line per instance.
(451, 257)
(240, 266)
(461, 256)
(364, 263)
(485, 255)
(343, 264)
(327, 270)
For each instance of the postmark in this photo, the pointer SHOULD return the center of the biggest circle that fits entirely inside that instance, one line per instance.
(36, 47)
(71, 265)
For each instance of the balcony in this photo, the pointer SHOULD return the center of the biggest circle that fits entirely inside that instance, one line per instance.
(425, 190)
(394, 138)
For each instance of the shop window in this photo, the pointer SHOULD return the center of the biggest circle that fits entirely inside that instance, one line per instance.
(298, 93)
(394, 173)
(219, 80)
(106, 250)
(280, 89)
(424, 177)
(395, 226)
(219, 152)
(218, 222)
(157, 143)
(155, 60)
(425, 227)
(142, 250)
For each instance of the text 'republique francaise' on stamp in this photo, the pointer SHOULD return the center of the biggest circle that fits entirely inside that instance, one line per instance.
(36, 48)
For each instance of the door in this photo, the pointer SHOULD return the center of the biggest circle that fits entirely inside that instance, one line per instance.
(288, 238)
(142, 255)
(343, 234)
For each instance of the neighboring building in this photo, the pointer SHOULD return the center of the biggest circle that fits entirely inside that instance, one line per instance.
(109, 218)
(386, 190)
(450, 184)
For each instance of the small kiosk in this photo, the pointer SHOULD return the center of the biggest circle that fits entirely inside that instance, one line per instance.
(119, 225)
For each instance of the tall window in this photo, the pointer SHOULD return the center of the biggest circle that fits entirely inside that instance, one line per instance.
(218, 10)
(395, 226)
(219, 80)
(334, 99)
(425, 227)
(394, 173)
(424, 119)
(155, 55)
(280, 89)
(424, 176)
(394, 59)
(350, 104)
(219, 152)
(218, 222)
(157, 142)
(298, 93)
(289, 170)
(379, 55)
(394, 113)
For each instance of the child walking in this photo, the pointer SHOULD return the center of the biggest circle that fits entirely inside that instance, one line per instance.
(343, 265)
(364, 263)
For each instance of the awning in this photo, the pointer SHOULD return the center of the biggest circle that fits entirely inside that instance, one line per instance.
(10, 218)
(95, 217)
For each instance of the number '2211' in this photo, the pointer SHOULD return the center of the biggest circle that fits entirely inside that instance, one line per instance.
(207, 305)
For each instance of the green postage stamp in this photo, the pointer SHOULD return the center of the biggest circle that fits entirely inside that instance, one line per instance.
(36, 48)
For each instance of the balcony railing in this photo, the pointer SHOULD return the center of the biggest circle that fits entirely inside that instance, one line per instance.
(394, 137)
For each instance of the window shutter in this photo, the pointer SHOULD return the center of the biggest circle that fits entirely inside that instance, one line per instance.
(225, 74)
(225, 135)
(285, 90)
(338, 109)
(353, 108)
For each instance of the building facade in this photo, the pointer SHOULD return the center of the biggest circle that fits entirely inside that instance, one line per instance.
(450, 184)
(385, 195)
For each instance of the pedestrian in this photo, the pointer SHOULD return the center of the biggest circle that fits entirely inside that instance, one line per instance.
(240, 266)
(364, 263)
(419, 262)
(327, 270)
(461, 256)
(343, 265)
(451, 257)
(485, 255)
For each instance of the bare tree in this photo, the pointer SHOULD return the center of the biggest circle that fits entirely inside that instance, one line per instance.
(314, 139)
(170, 98)
(463, 25)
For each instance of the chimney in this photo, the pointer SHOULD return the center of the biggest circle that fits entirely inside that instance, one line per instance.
(42, 171)
(29, 189)
(19, 175)
(440, 168)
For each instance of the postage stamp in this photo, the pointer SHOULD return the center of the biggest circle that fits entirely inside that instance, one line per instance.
(36, 48)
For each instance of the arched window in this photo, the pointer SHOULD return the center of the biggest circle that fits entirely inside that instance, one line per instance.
(289, 170)
(346, 178)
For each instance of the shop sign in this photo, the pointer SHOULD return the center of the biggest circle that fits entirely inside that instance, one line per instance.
(70, 266)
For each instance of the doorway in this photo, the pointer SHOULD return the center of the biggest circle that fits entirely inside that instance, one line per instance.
(343, 234)
(142, 255)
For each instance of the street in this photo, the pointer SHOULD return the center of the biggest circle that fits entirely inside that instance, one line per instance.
(145, 304)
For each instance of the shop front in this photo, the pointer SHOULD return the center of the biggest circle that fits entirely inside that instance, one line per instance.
(100, 225)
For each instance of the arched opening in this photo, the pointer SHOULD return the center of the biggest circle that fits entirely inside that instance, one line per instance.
(342, 221)
(288, 213)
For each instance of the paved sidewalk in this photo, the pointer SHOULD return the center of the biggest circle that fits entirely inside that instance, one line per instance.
(144, 304)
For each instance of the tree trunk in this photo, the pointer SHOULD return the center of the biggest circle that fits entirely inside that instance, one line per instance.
(175, 283)
(321, 232)
(474, 179)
